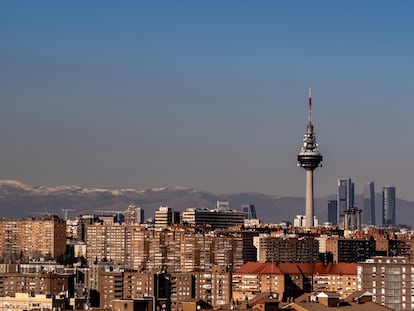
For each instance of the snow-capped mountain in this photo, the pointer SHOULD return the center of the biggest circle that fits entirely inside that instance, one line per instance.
(21, 200)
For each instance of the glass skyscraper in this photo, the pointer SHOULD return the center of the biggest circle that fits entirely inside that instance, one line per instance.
(388, 206)
(332, 212)
(345, 199)
(368, 205)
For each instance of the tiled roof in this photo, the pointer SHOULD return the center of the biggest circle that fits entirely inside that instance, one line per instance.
(259, 268)
(298, 268)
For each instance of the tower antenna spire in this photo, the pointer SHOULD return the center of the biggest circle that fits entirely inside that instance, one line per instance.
(309, 158)
(310, 105)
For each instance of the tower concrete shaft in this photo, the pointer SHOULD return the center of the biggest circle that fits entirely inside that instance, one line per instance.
(309, 158)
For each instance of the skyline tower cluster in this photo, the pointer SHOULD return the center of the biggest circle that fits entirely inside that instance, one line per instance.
(345, 204)
(343, 210)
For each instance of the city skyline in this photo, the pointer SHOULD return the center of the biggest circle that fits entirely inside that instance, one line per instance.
(205, 95)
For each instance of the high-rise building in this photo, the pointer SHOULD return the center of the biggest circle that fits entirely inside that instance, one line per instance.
(352, 219)
(345, 198)
(32, 238)
(368, 205)
(309, 158)
(249, 211)
(388, 206)
(332, 212)
(250, 216)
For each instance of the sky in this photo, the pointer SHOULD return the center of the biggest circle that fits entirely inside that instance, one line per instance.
(206, 94)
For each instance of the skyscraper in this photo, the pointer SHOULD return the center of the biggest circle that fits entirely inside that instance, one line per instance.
(332, 212)
(388, 206)
(368, 205)
(249, 211)
(309, 158)
(345, 198)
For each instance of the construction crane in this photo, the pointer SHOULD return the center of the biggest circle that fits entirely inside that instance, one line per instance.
(65, 212)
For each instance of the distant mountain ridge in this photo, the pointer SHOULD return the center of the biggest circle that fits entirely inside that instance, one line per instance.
(20, 200)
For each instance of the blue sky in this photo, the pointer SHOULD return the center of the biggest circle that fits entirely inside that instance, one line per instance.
(207, 94)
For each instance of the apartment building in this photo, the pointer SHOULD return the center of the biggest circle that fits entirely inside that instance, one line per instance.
(340, 278)
(25, 301)
(32, 238)
(38, 283)
(107, 242)
(172, 249)
(390, 280)
(254, 278)
(349, 250)
(111, 287)
(276, 249)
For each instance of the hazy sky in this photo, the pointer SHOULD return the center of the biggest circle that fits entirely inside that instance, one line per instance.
(209, 94)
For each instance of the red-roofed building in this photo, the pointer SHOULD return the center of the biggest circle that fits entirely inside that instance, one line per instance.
(254, 278)
(340, 278)
(290, 280)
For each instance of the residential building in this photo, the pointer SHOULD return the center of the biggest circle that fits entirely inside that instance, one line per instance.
(275, 249)
(349, 250)
(26, 301)
(32, 238)
(254, 278)
(390, 280)
(340, 278)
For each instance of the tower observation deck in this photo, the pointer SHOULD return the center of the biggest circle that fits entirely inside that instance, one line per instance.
(309, 158)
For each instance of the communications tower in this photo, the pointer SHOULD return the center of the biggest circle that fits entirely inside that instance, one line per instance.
(309, 158)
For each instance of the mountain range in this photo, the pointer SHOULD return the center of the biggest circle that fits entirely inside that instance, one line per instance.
(20, 200)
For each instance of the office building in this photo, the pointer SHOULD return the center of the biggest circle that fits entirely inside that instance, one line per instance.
(332, 212)
(368, 205)
(352, 219)
(250, 216)
(249, 211)
(345, 198)
(309, 158)
(215, 219)
(388, 206)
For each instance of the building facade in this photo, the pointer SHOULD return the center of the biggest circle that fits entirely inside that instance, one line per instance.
(368, 205)
(390, 280)
(345, 198)
(32, 238)
(333, 212)
(388, 206)
(215, 219)
(273, 249)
